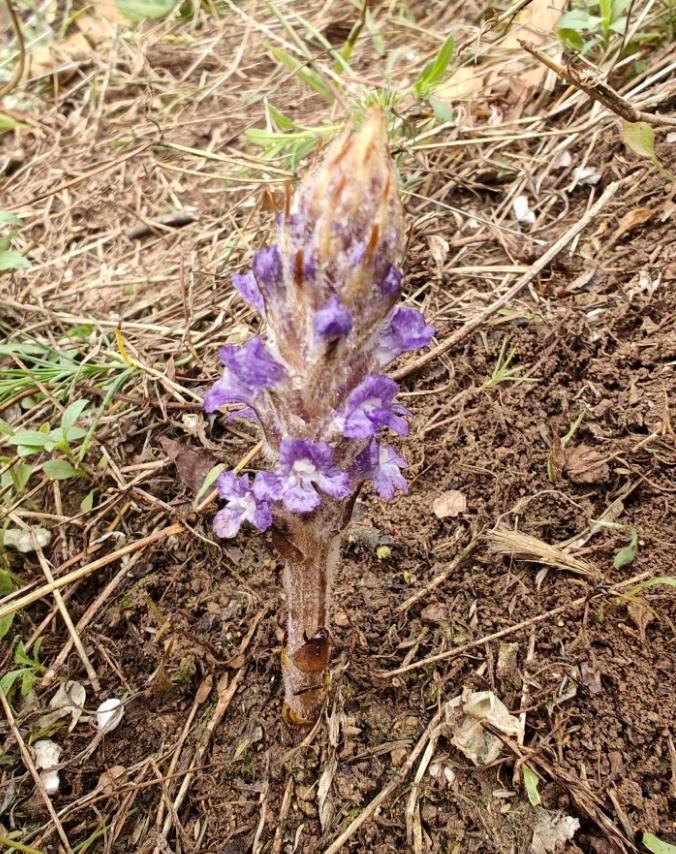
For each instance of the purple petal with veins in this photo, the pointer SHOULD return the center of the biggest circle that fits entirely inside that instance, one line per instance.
(227, 390)
(404, 330)
(246, 413)
(242, 506)
(252, 363)
(248, 289)
(381, 464)
(303, 465)
(371, 406)
(248, 369)
(267, 267)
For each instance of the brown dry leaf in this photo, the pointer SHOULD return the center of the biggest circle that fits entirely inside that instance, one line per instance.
(507, 669)
(62, 58)
(631, 220)
(192, 466)
(439, 250)
(641, 615)
(436, 614)
(78, 46)
(583, 464)
(112, 779)
(108, 9)
(590, 677)
(509, 72)
(451, 503)
(66, 56)
(94, 28)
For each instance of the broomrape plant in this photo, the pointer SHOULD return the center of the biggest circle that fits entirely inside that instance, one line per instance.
(313, 380)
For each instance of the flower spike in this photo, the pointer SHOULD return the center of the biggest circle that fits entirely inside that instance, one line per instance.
(326, 289)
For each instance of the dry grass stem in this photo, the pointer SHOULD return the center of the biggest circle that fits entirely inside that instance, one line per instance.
(520, 546)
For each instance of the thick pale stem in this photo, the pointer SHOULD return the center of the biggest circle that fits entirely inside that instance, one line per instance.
(310, 549)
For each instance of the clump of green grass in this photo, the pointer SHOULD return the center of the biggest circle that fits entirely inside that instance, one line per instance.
(504, 371)
(333, 78)
(34, 372)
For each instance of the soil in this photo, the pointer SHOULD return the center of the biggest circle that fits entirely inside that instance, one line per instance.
(196, 626)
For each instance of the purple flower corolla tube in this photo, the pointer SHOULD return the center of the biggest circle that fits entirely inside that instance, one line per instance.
(382, 464)
(326, 288)
(242, 505)
(249, 291)
(404, 330)
(302, 466)
(370, 407)
(248, 370)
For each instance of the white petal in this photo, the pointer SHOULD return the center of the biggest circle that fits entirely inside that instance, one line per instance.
(109, 714)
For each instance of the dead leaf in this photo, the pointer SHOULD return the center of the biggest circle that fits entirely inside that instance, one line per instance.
(464, 716)
(507, 666)
(641, 615)
(234, 553)
(439, 250)
(630, 221)
(192, 466)
(581, 281)
(590, 677)
(325, 804)
(583, 464)
(112, 779)
(435, 614)
(78, 46)
(508, 73)
(108, 9)
(451, 503)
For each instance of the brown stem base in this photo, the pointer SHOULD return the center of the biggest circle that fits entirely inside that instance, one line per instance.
(310, 547)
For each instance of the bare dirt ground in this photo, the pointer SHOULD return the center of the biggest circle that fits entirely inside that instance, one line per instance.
(140, 196)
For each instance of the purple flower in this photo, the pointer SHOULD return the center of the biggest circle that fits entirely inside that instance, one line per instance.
(242, 506)
(391, 282)
(381, 464)
(405, 330)
(247, 370)
(248, 289)
(227, 390)
(333, 320)
(252, 364)
(371, 406)
(267, 267)
(303, 464)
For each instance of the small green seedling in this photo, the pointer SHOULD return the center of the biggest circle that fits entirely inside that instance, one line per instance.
(431, 76)
(639, 137)
(563, 441)
(504, 372)
(592, 24)
(25, 676)
(530, 781)
(657, 846)
(8, 584)
(30, 442)
(10, 259)
(627, 555)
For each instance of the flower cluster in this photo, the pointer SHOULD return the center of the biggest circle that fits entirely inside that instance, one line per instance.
(326, 292)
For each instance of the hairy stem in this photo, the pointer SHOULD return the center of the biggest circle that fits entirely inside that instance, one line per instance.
(310, 548)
